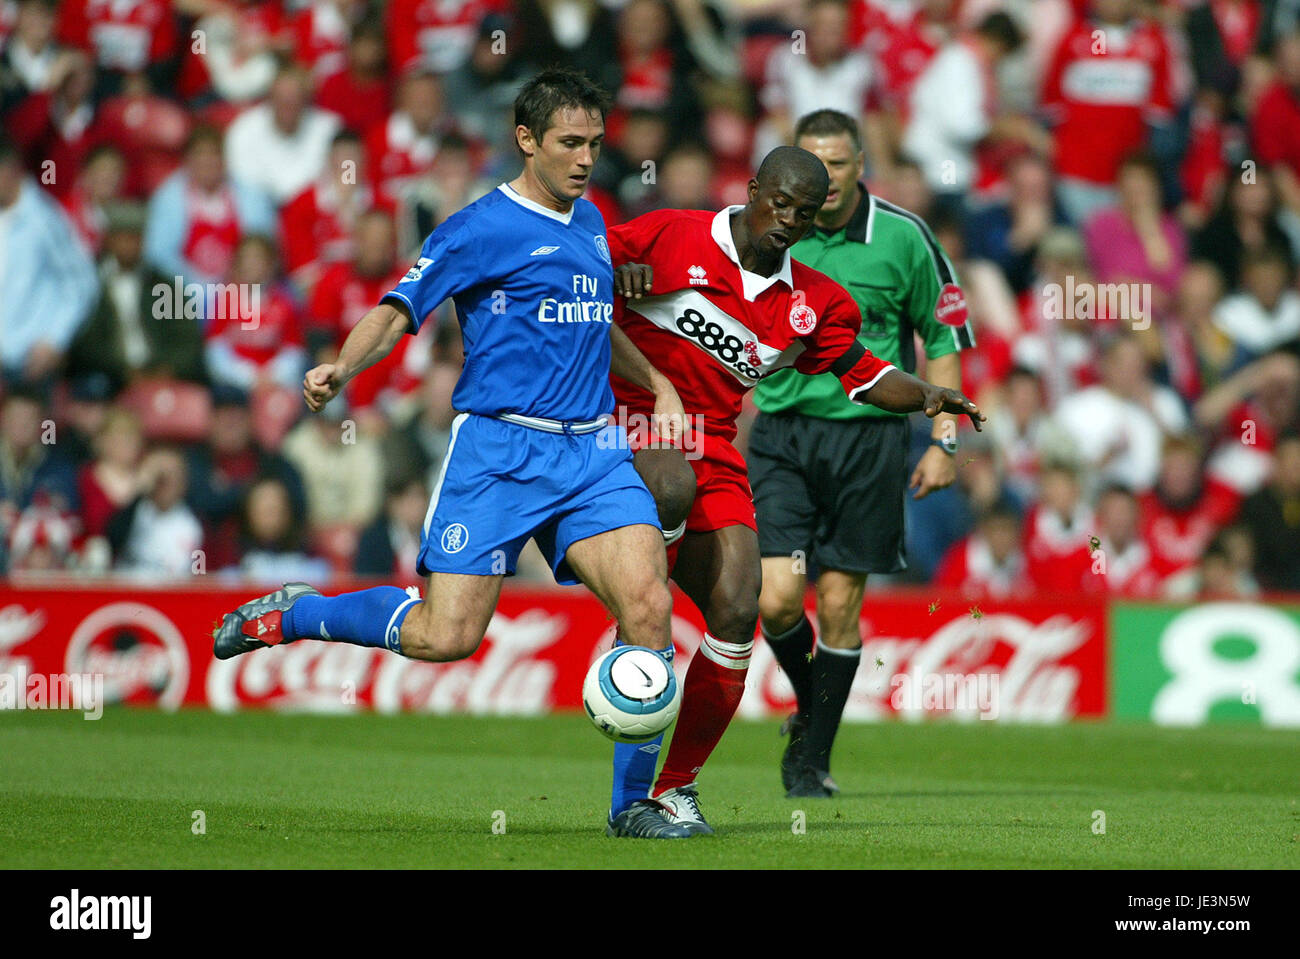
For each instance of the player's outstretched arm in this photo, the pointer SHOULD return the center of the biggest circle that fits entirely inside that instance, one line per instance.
(900, 392)
(370, 341)
(628, 362)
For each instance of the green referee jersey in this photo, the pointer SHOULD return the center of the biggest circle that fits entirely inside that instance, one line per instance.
(893, 267)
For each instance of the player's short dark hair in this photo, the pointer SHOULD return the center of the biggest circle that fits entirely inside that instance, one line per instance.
(796, 160)
(828, 123)
(556, 89)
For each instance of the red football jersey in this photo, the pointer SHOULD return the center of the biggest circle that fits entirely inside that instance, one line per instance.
(715, 330)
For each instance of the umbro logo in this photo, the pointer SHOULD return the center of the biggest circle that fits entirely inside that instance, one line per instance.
(544, 251)
(699, 276)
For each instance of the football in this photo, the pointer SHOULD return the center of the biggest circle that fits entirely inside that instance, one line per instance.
(631, 694)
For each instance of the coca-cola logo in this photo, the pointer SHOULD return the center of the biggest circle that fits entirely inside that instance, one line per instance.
(17, 625)
(137, 649)
(506, 678)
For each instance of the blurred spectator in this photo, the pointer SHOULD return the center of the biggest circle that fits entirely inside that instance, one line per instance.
(31, 466)
(281, 145)
(157, 536)
(321, 32)
(820, 70)
(1122, 562)
(1185, 510)
(1009, 233)
(1273, 517)
(482, 90)
(318, 224)
(1018, 427)
(657, 72)
(243, 41)
(1275, 129)
(47, 282)
(340, 466)
(131, 333)
(402, 147)
(29, 57)
(197, 216)
(272, 537)
(390, 545)
(122, 38)
(990, 562)
(1197, 354)
(436, 35)
(1266, 313)
(1136, 241)
(569, 31)
(1101, 95)
(345, 293)
(954, 107)
(1246, 413)
(361, 91)
(418, 442)
(55, 129)
(115, 478)
(684, 182)
(1058, 345)
(1221, 35)
(1059, 530)
(629, 167)
(1118, 426)
(223, 470)
(450, 185)
(101, 182)
(256, 337)
(1217, 575)
(1246, 221)
(43, 540)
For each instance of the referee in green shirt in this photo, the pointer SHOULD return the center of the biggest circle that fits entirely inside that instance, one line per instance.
(829, 476)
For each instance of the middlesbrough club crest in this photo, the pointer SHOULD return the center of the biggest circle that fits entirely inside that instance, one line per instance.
(803, 319)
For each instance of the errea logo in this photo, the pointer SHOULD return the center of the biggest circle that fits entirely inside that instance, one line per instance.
(544, 251)
(416, 272)
(699, 276)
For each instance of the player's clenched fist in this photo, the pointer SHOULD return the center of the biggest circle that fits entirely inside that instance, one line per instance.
(632, 280)
(321, 385)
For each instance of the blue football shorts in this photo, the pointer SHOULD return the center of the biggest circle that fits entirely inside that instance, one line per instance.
(503, 483)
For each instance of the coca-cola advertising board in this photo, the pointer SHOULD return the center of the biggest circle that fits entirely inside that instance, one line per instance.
(924, 656)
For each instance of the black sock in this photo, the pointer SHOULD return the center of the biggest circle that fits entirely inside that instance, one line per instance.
(832, 677)
(793, 649)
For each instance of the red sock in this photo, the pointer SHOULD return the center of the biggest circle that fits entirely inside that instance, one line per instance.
(714, 684)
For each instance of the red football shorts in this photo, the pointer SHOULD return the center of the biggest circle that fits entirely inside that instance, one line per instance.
(722, 493)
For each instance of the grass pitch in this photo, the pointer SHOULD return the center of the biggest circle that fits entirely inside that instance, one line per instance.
(424, 791)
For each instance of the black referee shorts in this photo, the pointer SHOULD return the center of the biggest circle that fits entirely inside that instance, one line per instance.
(831, 488)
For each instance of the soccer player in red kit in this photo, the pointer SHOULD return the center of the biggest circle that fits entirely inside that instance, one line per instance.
(715, 303)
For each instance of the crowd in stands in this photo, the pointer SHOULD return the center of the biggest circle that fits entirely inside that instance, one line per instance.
(199, 198)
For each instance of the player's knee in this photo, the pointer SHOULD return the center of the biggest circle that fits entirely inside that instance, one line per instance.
(780, 609)
(736, 619)
(671, 481)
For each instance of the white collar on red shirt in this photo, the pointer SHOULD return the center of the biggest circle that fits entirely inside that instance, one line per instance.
(751, 283)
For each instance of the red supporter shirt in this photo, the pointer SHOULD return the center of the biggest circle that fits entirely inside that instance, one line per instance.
(437, 33)
(1275, 128)
(1177, 538)
(1103, 93)
(358, 102)
(277, 327)
(715, 329)
(341, 297)
(1058, 556)
(121, 34)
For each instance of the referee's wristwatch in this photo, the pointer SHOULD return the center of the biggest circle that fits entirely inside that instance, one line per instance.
(947, 444)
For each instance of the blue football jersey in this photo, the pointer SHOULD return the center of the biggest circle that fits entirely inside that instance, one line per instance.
(534, 291)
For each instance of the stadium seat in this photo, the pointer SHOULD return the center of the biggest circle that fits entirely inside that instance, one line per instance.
(172, 411)
(275, 411)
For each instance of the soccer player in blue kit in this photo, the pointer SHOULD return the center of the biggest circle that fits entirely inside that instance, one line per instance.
(532, 454)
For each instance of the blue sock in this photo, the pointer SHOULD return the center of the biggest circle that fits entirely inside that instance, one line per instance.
(369, 617)
(634, 763)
